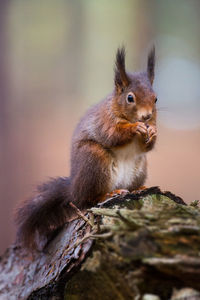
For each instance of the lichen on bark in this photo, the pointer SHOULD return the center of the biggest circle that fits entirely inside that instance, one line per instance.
(153, 248)
(142, 246)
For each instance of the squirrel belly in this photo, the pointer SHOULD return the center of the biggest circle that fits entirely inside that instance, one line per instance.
(128, 167)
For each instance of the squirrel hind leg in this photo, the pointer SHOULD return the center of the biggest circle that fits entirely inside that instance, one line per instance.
(91, 180)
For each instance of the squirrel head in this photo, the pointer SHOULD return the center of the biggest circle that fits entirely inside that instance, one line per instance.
(134, 98)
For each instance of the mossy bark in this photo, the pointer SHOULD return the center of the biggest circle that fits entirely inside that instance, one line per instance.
(153, 248)
(139, 246)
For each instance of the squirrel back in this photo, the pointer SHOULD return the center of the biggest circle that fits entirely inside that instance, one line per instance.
(108, 152)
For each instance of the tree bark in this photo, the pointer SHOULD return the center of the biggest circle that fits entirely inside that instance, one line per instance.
(137, 246)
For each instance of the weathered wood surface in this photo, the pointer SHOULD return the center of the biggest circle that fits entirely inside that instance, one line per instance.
(145, 243)
(42, 275)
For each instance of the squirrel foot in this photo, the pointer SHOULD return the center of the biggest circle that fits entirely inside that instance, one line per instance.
(141, 188)
(117, 192)
(113, 193)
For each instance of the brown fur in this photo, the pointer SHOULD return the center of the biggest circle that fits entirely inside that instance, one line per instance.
(101, 144)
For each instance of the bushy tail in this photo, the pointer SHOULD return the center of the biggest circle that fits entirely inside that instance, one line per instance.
(40, 216)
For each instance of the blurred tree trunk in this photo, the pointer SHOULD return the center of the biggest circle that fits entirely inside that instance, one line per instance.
(4, 77)
(75, 49)
(6, 157)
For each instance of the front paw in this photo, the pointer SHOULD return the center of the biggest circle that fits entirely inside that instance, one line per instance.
(141, 130)
(152, 135)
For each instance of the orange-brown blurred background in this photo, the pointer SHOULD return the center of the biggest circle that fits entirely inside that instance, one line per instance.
(56, 59)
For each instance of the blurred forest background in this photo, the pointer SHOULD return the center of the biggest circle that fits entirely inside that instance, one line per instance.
(56, 59)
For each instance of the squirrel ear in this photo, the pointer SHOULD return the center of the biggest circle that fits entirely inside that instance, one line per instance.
(121, 78)
(151, 64)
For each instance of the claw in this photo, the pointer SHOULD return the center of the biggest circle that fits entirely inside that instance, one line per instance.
(117, 192)
(141, 188)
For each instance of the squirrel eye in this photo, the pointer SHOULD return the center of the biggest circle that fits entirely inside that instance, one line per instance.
(130, 98)
(156, 100)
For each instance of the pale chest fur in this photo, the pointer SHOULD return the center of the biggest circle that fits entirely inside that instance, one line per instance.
(128, 167)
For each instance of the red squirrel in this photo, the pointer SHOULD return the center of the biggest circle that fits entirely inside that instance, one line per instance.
(108, 153)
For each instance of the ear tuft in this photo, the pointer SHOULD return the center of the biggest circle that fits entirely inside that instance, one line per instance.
(151, 64)
(121, 78)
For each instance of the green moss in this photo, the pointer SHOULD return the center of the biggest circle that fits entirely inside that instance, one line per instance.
(152, 227)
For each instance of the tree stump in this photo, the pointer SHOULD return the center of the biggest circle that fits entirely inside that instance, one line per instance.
(143, 245)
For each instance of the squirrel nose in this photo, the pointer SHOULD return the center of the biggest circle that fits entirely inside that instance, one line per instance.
(146, 117)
